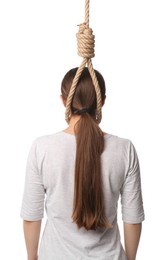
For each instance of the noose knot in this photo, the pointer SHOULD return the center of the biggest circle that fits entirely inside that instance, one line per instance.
(85, 41)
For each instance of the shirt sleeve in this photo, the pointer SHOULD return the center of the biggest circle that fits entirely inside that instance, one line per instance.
(32, 208)
(131, 193)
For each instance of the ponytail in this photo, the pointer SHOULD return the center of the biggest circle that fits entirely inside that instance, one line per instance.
(88, 205)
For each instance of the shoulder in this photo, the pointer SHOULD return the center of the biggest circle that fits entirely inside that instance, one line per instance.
(119, 147)
(123, 150)
(45, 141)
(117, 141)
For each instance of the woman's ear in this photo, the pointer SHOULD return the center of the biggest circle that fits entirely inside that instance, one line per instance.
(103, 102)
(63, 101)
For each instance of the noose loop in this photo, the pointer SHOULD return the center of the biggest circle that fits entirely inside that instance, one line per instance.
(86, 43)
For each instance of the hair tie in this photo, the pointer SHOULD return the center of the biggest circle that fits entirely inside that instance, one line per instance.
(82, 111)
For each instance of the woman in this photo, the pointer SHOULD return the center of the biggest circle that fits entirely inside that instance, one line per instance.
(82, 171)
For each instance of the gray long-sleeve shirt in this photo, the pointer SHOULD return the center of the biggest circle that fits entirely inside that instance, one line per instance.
(49, 181)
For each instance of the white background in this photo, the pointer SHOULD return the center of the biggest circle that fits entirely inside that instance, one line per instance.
(37, 47)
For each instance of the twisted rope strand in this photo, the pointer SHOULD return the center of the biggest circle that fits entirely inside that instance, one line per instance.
(87, 7)
(97, 89)
(86, 43)
(72, 90)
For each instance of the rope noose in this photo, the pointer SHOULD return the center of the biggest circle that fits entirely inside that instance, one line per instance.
(86, 43)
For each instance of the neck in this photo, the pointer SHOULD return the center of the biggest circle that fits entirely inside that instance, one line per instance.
(72, 123)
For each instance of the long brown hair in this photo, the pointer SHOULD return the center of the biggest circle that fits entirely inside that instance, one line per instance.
(88, 205)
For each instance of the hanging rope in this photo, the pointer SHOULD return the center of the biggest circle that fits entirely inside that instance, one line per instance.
(86, 43)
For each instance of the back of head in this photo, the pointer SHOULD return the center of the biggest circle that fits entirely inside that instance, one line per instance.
(85, 95)
(88, 206)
